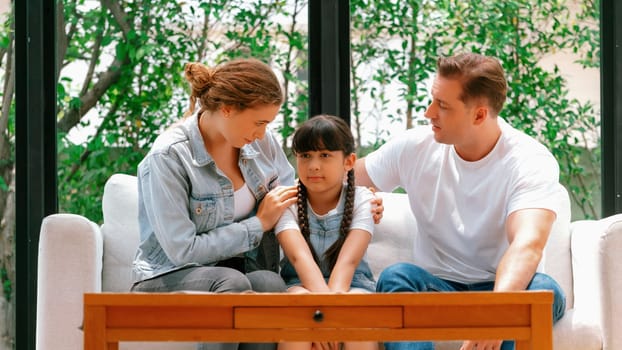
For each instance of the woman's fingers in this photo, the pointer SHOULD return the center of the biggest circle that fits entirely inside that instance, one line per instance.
(274, 203)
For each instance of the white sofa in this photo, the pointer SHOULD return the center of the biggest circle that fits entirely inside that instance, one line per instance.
(78, 256)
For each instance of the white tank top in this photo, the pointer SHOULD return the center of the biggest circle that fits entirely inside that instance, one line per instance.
(243, 203)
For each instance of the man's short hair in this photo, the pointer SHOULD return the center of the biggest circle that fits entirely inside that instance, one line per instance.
(480, 76)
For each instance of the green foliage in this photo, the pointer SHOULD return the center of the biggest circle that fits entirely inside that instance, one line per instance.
(7, 288)
(133, 109)
(520, 33)
(152, 41)
(394, 49)
(401, 40)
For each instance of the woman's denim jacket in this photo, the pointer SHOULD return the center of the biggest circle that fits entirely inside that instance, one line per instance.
(186, 205)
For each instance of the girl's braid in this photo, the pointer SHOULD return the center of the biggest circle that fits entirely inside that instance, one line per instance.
(333, 252)
(303, 219)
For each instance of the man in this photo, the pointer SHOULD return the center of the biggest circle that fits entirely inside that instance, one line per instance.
(483, 193)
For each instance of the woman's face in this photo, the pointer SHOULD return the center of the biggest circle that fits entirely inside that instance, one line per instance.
(245, 126)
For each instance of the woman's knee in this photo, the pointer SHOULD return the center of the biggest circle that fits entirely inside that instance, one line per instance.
(223, 280)
(265, 281)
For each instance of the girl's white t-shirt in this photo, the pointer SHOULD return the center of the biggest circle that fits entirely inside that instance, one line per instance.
(461, 207)
(362, 216)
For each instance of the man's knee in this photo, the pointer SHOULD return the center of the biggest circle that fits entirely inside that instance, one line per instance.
(542, 281)
(400, 277)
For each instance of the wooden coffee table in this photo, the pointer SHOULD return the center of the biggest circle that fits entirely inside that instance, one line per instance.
(525, 317)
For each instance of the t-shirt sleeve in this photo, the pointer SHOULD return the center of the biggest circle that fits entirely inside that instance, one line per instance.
(288, 220)
(362, 217)
(537, 185)
(383, 165)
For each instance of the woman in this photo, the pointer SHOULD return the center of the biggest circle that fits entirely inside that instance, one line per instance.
(212, 188)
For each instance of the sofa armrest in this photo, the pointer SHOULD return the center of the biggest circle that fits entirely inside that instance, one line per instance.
(69, 265)
(597, 273)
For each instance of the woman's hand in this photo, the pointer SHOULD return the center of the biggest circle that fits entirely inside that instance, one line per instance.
(274, 203)
(377, 208)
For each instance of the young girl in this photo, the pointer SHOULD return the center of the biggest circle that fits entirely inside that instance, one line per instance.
(325, 236)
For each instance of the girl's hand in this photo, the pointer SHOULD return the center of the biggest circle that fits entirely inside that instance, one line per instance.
(274, 203)
(325, 346)
(377, 208)
(481, 344)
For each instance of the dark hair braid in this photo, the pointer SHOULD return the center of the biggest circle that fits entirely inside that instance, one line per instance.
(332, 253)
(303, 219)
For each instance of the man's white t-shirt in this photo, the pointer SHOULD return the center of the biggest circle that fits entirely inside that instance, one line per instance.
(461, 207)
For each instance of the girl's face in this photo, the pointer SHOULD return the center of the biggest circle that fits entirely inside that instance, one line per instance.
(242, 127)
(323, 171)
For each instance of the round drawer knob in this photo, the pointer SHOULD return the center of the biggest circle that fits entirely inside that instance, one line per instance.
(318, 316)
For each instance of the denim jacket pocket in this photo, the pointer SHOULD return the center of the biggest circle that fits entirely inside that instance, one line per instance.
(203, 212)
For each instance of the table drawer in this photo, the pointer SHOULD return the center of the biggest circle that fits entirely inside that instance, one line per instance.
(318, 317)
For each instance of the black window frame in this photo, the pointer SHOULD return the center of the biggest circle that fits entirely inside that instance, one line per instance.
(35, 94)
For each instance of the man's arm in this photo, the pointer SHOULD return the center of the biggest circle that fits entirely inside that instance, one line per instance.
(361, 177)
(527, 230)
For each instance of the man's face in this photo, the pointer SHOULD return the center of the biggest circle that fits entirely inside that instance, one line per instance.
(451, 119)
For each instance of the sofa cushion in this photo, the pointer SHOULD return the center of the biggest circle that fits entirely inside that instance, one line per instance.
(393, 237)
(120, 231)
(576, 332)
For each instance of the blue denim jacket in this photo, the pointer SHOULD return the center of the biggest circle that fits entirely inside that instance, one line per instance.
(185, 203)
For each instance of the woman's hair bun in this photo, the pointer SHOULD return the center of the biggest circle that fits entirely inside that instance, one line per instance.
(199, 76)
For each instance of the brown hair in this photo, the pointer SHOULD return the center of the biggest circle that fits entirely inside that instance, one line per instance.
(241, 83)
(325, 132)
(481, 76)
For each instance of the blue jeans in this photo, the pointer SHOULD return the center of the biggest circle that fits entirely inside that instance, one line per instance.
(404, 277)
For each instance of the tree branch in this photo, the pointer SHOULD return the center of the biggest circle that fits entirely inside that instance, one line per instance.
(253, 29)
(93, 62)
(87, 152)
(204, 34)
(61, 38)
(119, 15)
(71, 116)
